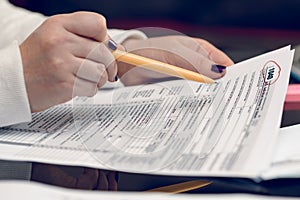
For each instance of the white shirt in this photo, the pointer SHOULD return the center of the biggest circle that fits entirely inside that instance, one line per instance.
(16, 24)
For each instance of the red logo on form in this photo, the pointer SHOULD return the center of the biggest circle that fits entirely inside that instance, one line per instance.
(271, 72)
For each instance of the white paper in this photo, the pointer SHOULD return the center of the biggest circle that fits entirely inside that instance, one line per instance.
(286, 158)
(17, 190)
(175, 128)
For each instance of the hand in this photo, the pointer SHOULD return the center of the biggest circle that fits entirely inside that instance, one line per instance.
(74, 177)
(63, 58)
(190, 53)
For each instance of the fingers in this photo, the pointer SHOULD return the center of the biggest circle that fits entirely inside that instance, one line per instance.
(215, 54)
(191, 60)
(50, 59)
(101, 54)
(84, 88)
(89, 76)
(92, 25)
(96, 52)
(90, 72)
(201, 64)
(192, 54)
(200, 56)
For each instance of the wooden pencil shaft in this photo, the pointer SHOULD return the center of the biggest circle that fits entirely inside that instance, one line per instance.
(158, 66)
(182, 187)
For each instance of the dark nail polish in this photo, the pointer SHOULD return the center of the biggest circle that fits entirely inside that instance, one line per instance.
(116, 78)
(117, 176)
(217, 68)
(112, 45)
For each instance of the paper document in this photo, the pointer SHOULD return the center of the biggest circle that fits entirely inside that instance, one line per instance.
(171, 128)
(16, 190)
(286, 158)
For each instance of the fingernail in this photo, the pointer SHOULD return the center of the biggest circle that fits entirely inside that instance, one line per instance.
(117, 176)
(112, 45)
(217, 68)
(116, 78)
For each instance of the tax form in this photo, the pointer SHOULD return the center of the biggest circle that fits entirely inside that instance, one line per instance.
(286, 158)
(169, 128)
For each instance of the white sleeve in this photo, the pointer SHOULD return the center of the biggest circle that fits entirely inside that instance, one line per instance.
(120, 36)
(14, 105)
(16, 24)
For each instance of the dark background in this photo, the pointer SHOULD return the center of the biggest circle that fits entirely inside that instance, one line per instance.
(241, 28)
(254, 13)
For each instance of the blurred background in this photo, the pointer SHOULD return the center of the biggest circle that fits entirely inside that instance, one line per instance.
(242, 29)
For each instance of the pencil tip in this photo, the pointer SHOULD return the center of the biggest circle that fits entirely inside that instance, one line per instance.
(208, 80)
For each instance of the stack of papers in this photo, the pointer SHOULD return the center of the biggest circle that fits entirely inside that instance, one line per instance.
(286, 159)
(180, 128)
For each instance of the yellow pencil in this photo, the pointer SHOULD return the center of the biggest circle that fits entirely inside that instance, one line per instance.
(182, 187)
(155, 65)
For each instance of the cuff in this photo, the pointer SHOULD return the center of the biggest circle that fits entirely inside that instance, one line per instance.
(120, 36)
(14, 104)
(15, 170)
